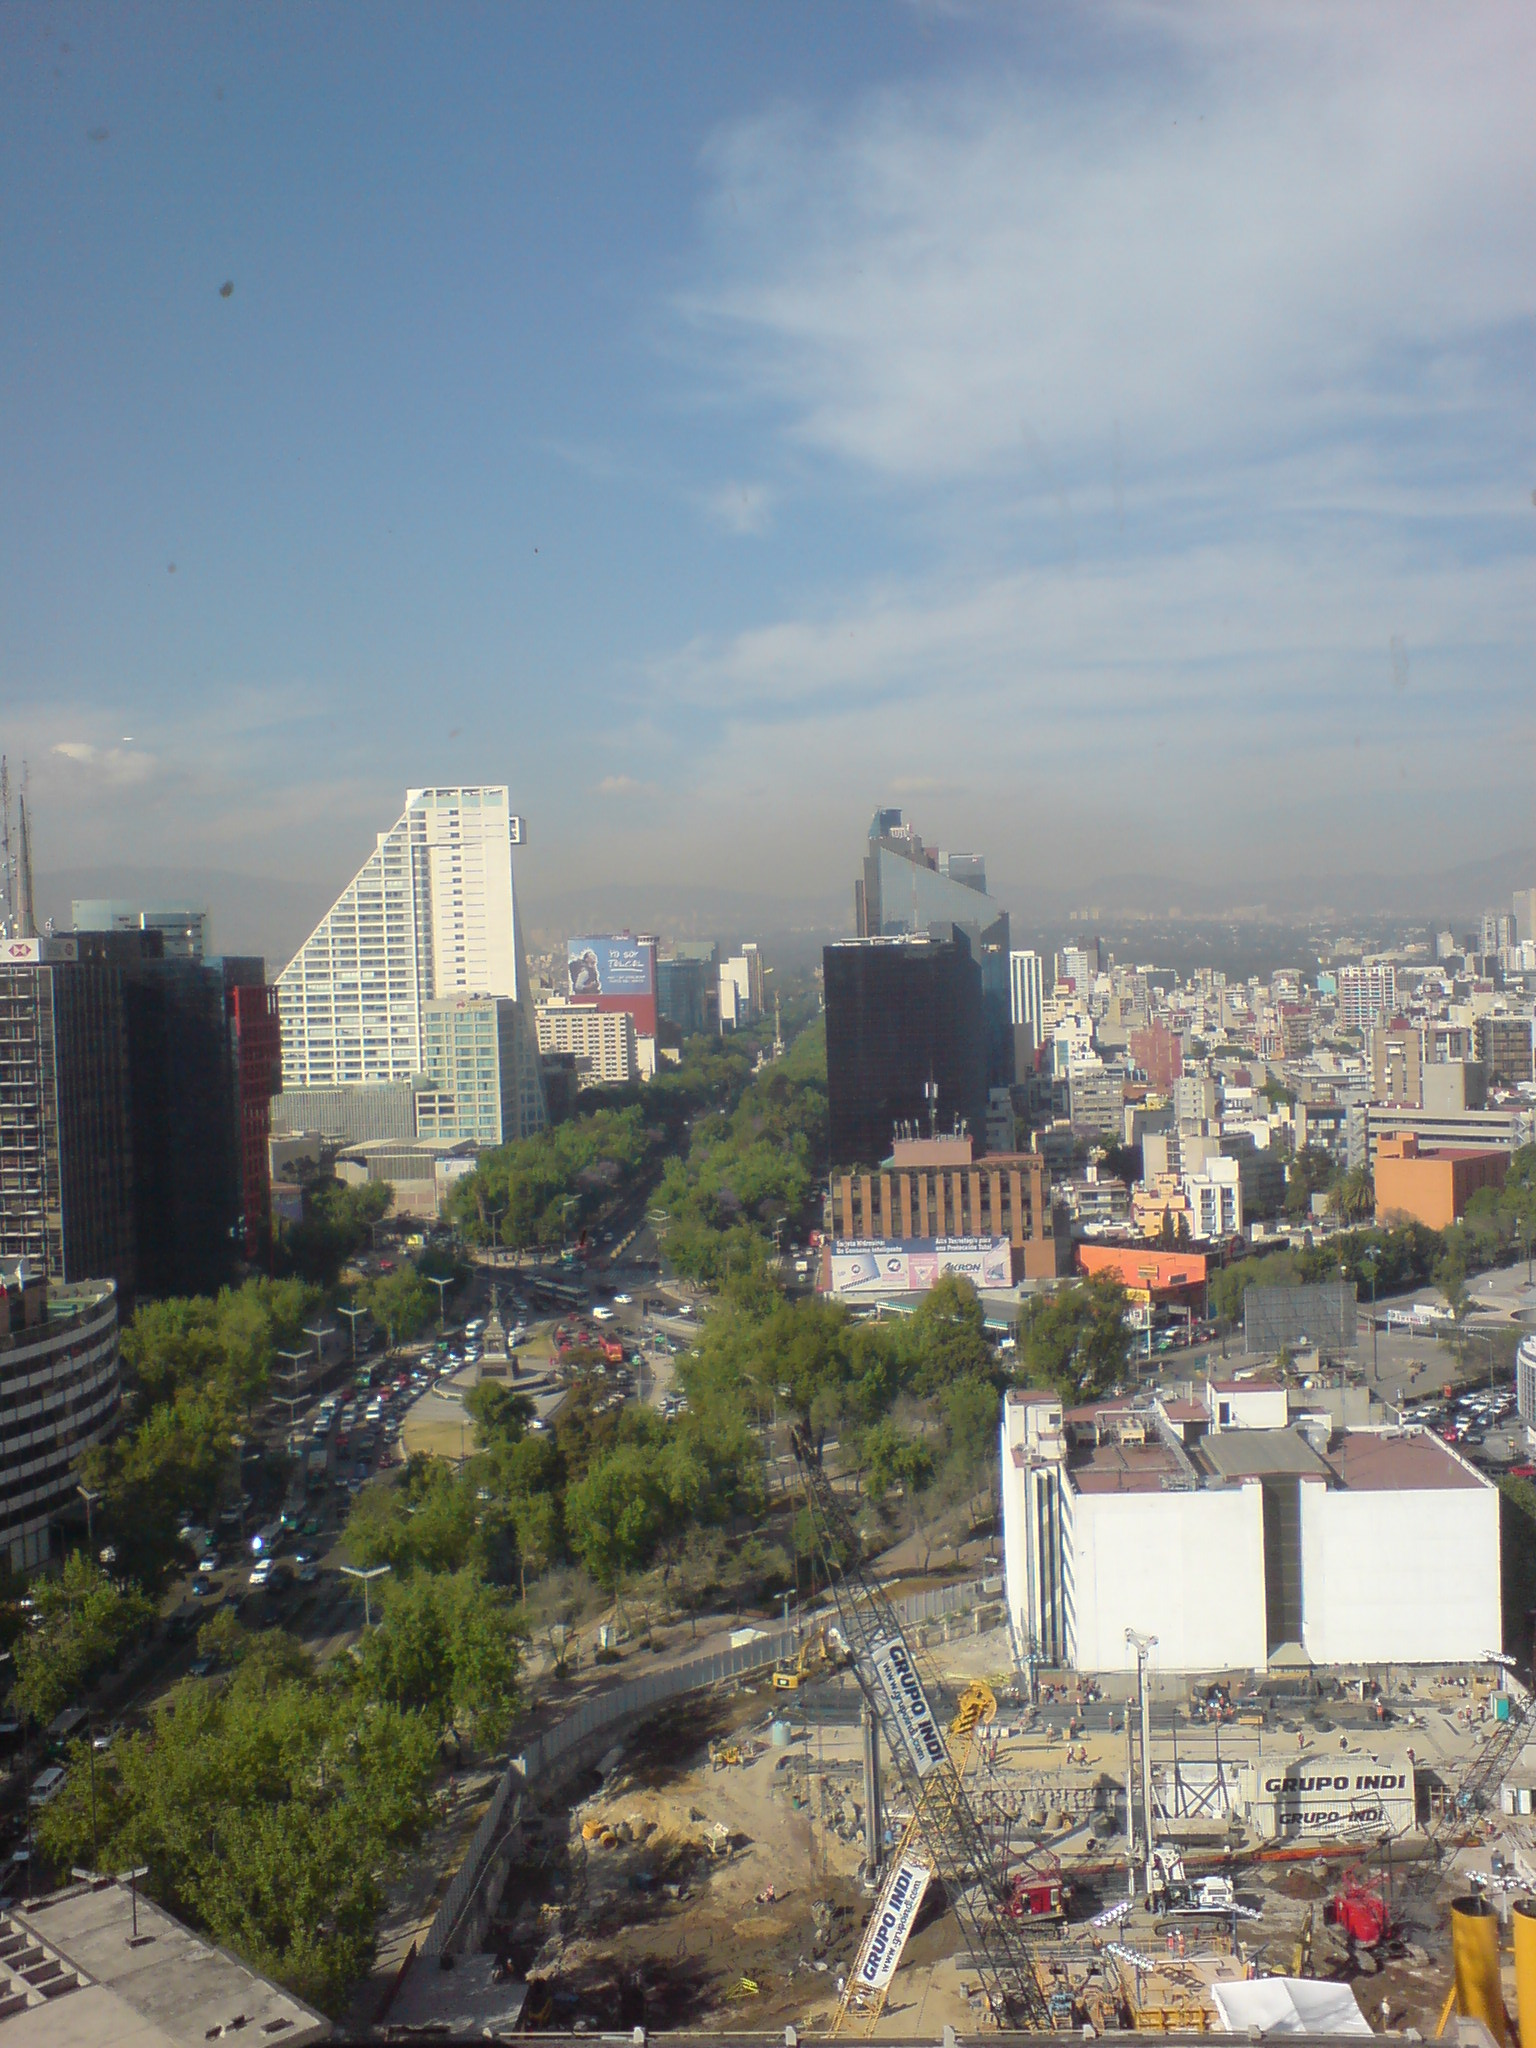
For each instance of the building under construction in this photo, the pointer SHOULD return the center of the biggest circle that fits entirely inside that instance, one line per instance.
(1235, 1534)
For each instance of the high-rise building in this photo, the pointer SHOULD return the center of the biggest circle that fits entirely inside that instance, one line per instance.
(1367, 995)
(907, 887)
(1524, 908)
(1026, 994)
(66, 1137)
(1503, 1045)
(603, 1042)
(256, 1046)
(906, 1042)
(130, 1112)
(485, 1082)
(680, 998)
(431, 913)
(59, 1393)
(184, 927)
(614, 973)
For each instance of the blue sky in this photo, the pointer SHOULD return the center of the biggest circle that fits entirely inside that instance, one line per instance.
(1107, 431)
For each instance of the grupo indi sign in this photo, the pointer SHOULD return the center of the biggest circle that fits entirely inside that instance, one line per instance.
(896, 1675)
(887, 1933)
(1317, 1801)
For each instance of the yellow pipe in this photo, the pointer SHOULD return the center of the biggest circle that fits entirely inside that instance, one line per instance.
(1475, 1952)
(1525, 1970)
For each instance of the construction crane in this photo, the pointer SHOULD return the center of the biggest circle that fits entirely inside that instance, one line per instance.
(1460, 1815)
(946, 1839)
(869, 1981)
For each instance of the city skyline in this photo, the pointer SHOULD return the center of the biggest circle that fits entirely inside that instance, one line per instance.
(945, 408)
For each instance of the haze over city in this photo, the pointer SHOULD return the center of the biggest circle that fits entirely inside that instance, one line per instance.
(1110, 426)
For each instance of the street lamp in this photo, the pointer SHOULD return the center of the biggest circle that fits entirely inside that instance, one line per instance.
(1368, 1266)
(442, 1287)
(353, 1313)
(90, 1497)
(325, 1330)
(496, 1216)
(295, 1360)
(373, 1571)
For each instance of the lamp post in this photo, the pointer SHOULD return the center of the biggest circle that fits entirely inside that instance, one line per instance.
(352, 1314)
(1368, 1266)
(496, 1216)
(372, 1572)
(90, 1497)
(319, 1334)
(442, 1287)
(296, 1360)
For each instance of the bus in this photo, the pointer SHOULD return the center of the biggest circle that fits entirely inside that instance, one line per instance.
(557, 1293)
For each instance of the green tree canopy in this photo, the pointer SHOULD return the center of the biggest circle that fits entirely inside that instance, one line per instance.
(1077, 1340)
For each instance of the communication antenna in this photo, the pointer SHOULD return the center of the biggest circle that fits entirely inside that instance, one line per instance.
(931, 1097)
(27, 913)
(7, 874)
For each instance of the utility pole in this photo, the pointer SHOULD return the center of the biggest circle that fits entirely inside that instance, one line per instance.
(1143, 1646)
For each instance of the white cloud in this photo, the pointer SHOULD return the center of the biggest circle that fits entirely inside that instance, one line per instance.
(118, 767)
(741, 508)
(1233, 228)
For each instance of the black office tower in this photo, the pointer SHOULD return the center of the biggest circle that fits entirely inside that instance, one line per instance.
(904, 1016)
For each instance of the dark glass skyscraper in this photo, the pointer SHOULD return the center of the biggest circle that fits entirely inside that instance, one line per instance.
(906, 886)
(906, 1041)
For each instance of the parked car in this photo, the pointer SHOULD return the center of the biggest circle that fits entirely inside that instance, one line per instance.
(46, 1786)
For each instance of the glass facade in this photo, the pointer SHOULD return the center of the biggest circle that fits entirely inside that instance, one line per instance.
(906, 886)
(903, 1016)
(483, 1066)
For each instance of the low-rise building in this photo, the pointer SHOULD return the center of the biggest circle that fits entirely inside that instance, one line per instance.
(1232, 1541)
(1431, 1187)
(933, 1188)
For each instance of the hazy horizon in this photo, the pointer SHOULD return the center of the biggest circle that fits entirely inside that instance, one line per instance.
(1106, 433)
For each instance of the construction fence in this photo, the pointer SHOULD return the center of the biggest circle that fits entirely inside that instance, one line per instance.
(639, 1696)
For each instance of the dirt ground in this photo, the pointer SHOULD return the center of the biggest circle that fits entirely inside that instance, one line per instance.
(674, 1888)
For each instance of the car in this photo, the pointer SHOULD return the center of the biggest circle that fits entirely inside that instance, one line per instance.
(262, 1573)
(201, 1588)
(601, 1314)
(200, 1667)
(308, 1572)
(623, 1300)
(107, 1737)
(208, 1565)
(46, 1786)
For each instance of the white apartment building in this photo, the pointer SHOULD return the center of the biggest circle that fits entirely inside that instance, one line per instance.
(1233, 1537)
(1215, 1198)
(431, 913)
(603, 1039)
(1026, 992)
(1367, 996)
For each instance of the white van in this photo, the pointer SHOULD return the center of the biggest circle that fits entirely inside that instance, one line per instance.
(46, 1786)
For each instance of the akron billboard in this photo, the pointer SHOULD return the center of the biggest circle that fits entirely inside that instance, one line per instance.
(911, 1265)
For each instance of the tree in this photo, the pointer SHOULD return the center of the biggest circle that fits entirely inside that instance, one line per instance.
(80, 1623)
(948, 1335)
(618, 1514)
(1077, 1341)
(401, 1303)
(894, 1457)
(1354, 1195)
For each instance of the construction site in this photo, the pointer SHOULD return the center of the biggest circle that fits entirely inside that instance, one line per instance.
(881, 1833)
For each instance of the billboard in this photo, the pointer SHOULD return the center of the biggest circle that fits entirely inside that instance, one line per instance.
(21, 952)
(610, 967)
(891, 1923)
(897, 1678)
(911, 1265)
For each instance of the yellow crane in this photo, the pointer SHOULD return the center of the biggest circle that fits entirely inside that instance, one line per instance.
(869, 1981)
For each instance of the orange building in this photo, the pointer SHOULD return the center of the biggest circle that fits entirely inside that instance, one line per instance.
(1431, 1187)
(1147, 1276)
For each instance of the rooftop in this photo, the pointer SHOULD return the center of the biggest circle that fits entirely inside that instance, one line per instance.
(1392, 1460)
(1125, 1468)
(165, 1988)
(1261, 1454)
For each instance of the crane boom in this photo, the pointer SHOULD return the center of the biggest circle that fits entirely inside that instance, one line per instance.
(907, 1701)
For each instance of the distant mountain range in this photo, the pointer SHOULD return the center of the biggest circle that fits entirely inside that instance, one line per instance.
(273, 917)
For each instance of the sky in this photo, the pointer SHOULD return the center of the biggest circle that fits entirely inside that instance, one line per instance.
(1106, 431)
